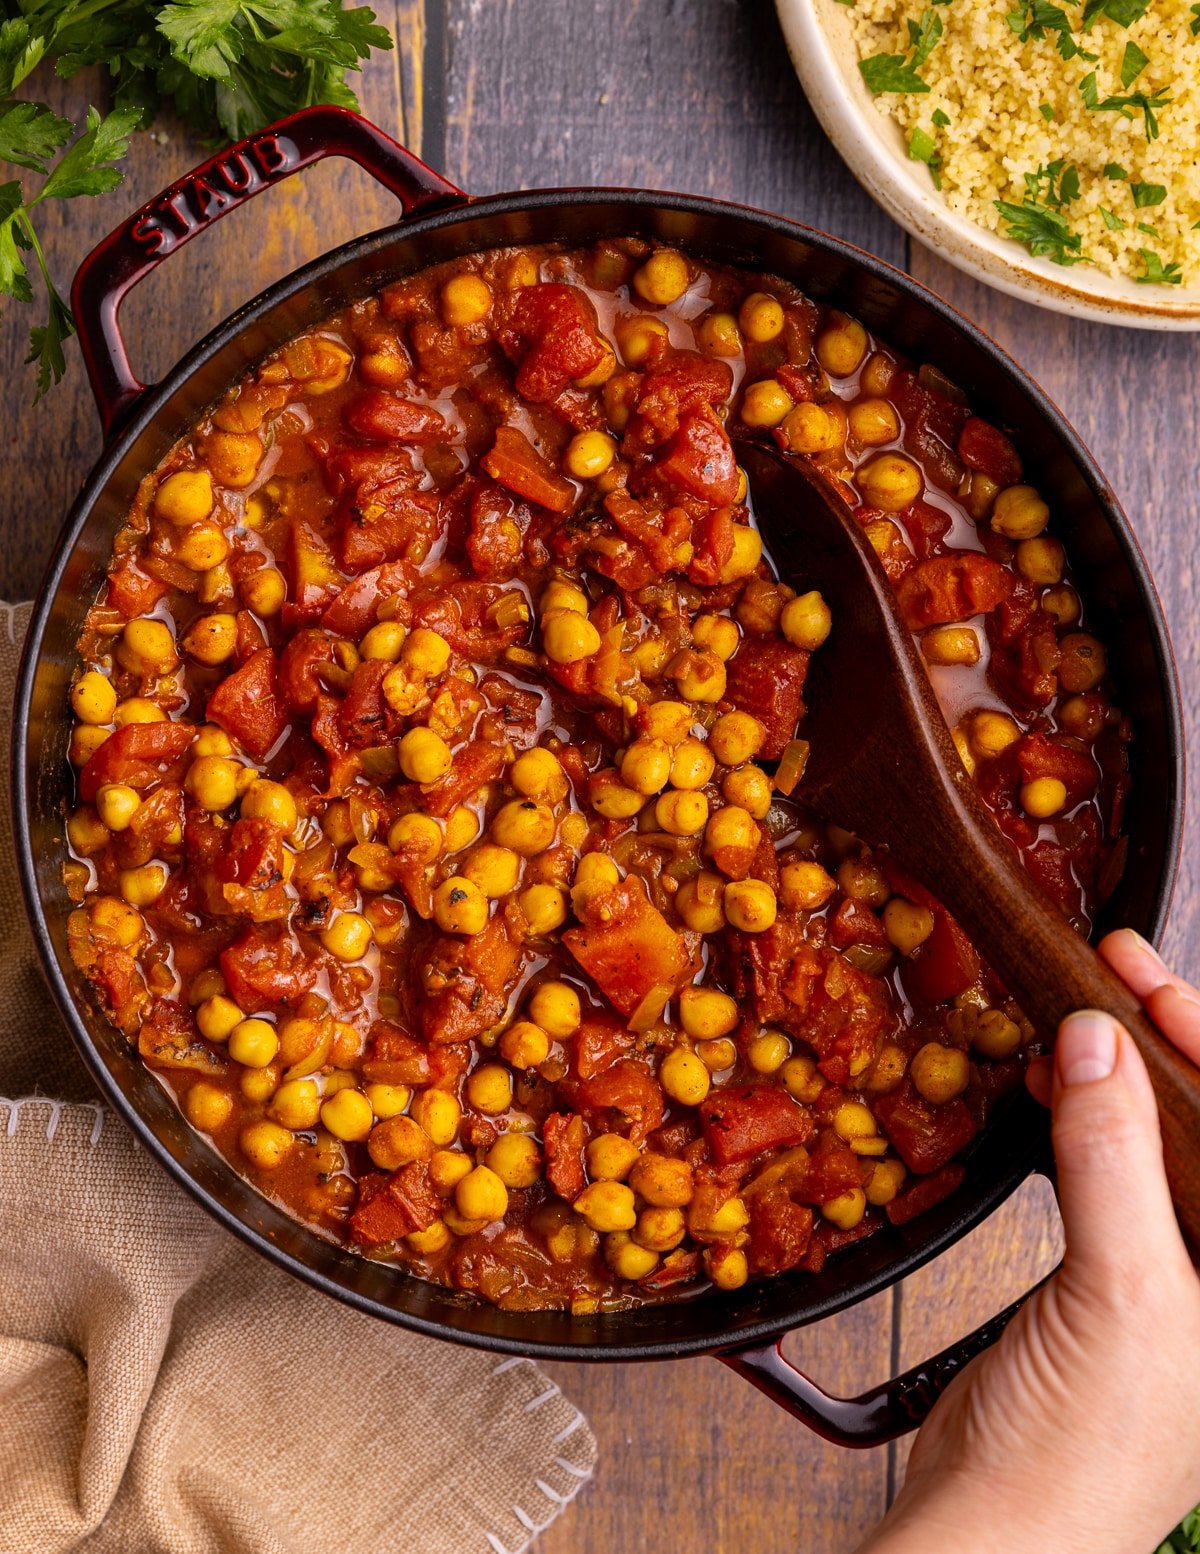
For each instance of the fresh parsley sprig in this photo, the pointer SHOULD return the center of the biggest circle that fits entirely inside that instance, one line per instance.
(898, 72)
(1146, 102)
(227, 67)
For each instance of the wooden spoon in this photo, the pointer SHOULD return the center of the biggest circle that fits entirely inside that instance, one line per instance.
(883, 765)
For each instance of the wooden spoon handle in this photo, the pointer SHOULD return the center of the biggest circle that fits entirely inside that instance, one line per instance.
(1051, 971)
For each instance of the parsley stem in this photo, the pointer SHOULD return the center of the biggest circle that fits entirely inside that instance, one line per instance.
(31, 234)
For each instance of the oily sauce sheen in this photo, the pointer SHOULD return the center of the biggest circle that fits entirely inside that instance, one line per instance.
(439, 730)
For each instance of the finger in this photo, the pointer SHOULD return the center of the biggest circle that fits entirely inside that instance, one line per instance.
(1176, 1012)
(1112, 1187)
(1136, 962)
(1039, 1080)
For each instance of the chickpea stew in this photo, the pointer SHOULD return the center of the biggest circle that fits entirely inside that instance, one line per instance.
(438, 746)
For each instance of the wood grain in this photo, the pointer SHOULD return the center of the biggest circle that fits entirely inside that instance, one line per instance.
(694, 95)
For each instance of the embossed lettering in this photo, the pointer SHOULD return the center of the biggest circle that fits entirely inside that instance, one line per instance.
(187, 222)
(209, 201)
(149, 234)
(270, 155)
(235, 173)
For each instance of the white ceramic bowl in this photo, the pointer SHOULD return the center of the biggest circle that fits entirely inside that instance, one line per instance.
(825, 54)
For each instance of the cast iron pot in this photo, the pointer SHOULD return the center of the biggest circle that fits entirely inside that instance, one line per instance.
(440, 222)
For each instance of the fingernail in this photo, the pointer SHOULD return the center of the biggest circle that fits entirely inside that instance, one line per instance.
(1144, 946)
(1086, 1048)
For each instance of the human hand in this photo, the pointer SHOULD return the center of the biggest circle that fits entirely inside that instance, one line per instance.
(1080, 1429)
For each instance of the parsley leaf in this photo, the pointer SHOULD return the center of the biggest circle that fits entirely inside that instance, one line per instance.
(1112, 221)
(940, 119)
(898, 72)
(1056, 184)
(1158, 274)
(46, 344)
(1043, 231)
(1148, 194)
(1144, 226)
(1194, 24)
(30, 133)
(1125, 106)
(1036, 17)
(1123, 12)
(923, 148)
(83, 169)
(1133, 62)
(1046, 111)
(1114, 170)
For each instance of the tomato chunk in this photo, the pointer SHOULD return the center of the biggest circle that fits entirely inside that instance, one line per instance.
(925, 1137)
(629, 950)
(739, 1124)
(766, 677)
(563, 1139)
(247, 705)
(138, 755)
(516, 464)
(952, 587)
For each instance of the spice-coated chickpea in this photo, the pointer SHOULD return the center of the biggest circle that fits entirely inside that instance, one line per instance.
(991, 733)
(568, 637)
(811, 428)
(802, 1079)
(146, 647)
(747, 553)
(701, 677)
(438, 1113)
(253, 1042)
(524, 1045)
(748, 788)
(610, 1157)
(885, 1181)
(726, 1266)
(806, 620)
(555, 1007)
(495, 870)
(296, 1104)
(1043, 797)
(481, 1195)
(767, 1052)
(705, 1013)
(626, 1259)
(544, 907)
(731, 827)
(348, 1115)
(589, 454)
(890, 482)
(117, 804)
(906, 924)
(765, 403)
(761, 318)
(465, 299)
(459, 906)
(842, 347)
(949, 646)
(207, 1106)
(1041, 561)
(1083, 663)
(211, 639)
(185, 497)
(659, 1229)
(639, 340)
(607, 1206)
(266, 1144)
(700, 903)
(736, 737)
(873, 422)
(397, 1142)
(1061, 604)
(718, 335)
(425, 652)
(202, 547)
(663, 1181)
(646, 765)
(940, 1072)
(538, 774)
(750, 905)
(264, 591)
(716, 634)
(805, 886)
(424, 756)
(489, 1089)
(1020, 513)
(847, 1209)
(525, 826)
(663, 278)
(680, 813)
(93, 699)
(684, 1077)
(213, 782)
(515, 1159)
(692, 765)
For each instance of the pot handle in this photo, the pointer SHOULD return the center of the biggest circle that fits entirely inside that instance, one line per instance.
(203, 196)
(884, 1412)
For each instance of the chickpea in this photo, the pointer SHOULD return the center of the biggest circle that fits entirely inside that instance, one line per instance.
(93, 699)
(885, 1181)
(555, 1007)
(538, 774)
(947, 646)
(991, 733)
(253, 1043)
(481, 1195)
(416, 833)
(659, 1229)
(1019, 513)
(639, 339)
(603, 370)
(1062, 605)
(747, 553)
(701, 677)
(806, 620)
(847, 1209)
(87, 832)
(906, 924)
(265, 800)
(646, 765)
(383, 643)
(1083, 664)
(595, 872)
(447, 1167)
(397, 1142)
(663, 278)
(627, 1259)
(212, 780)
(873, 422)
(718, 335)
(684, 1077)
(266, 1144)
(726, 1266)
(515, 1159)
(1082, 716)
(853, 1120)
(465, 299)
(142, 887)
(425, 652)
(811, 428)
(436, 1238)
(888, 1069)
(218, 1017)
(1043, 797)
(610, 798)
(940, 1073)
(692, 765)
(995, 1036)
(207, 1107)
(805, 886)
(388, 1100)
(348, 1115)
(569, 637)
(202, 547)
(438, 1113)
(233, 457)
(681, 813)
(459, 906)
(731, 827)
(715, 634)
(495, 870)
(607, 1206)
(761, 318)
(525, 826)
(767, 1052)
(209, 740)
(717, 1055)
(558, 595)
(349, 936)
(489, 1089)
(1041, 561)
(146, 647)
(705, 1013)
(748, 788)
(727, 1222)
(765, 403)
(259, 1084)
(589, 454)
(296, 1104)
(116, 921)
(889, 482)
(212, 639)
(264, 591)
(700, 903)
(185, 497)
(750, 905)
(609, 1157)
(525, 1045)
(424, 756)
(117, 804)
(544, 907)
(736, 737)
(802, 1079)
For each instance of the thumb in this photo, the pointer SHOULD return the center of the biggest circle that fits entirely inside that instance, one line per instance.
(1116, 1207)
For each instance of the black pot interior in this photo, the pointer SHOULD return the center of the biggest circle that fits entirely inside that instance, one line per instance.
(1113, 579)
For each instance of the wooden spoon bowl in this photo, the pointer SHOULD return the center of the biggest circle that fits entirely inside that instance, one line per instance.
(882, 764)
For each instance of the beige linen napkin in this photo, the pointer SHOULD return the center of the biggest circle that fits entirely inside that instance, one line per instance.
(163, 1390)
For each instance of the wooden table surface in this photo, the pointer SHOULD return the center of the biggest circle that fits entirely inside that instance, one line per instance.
(698, 96)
